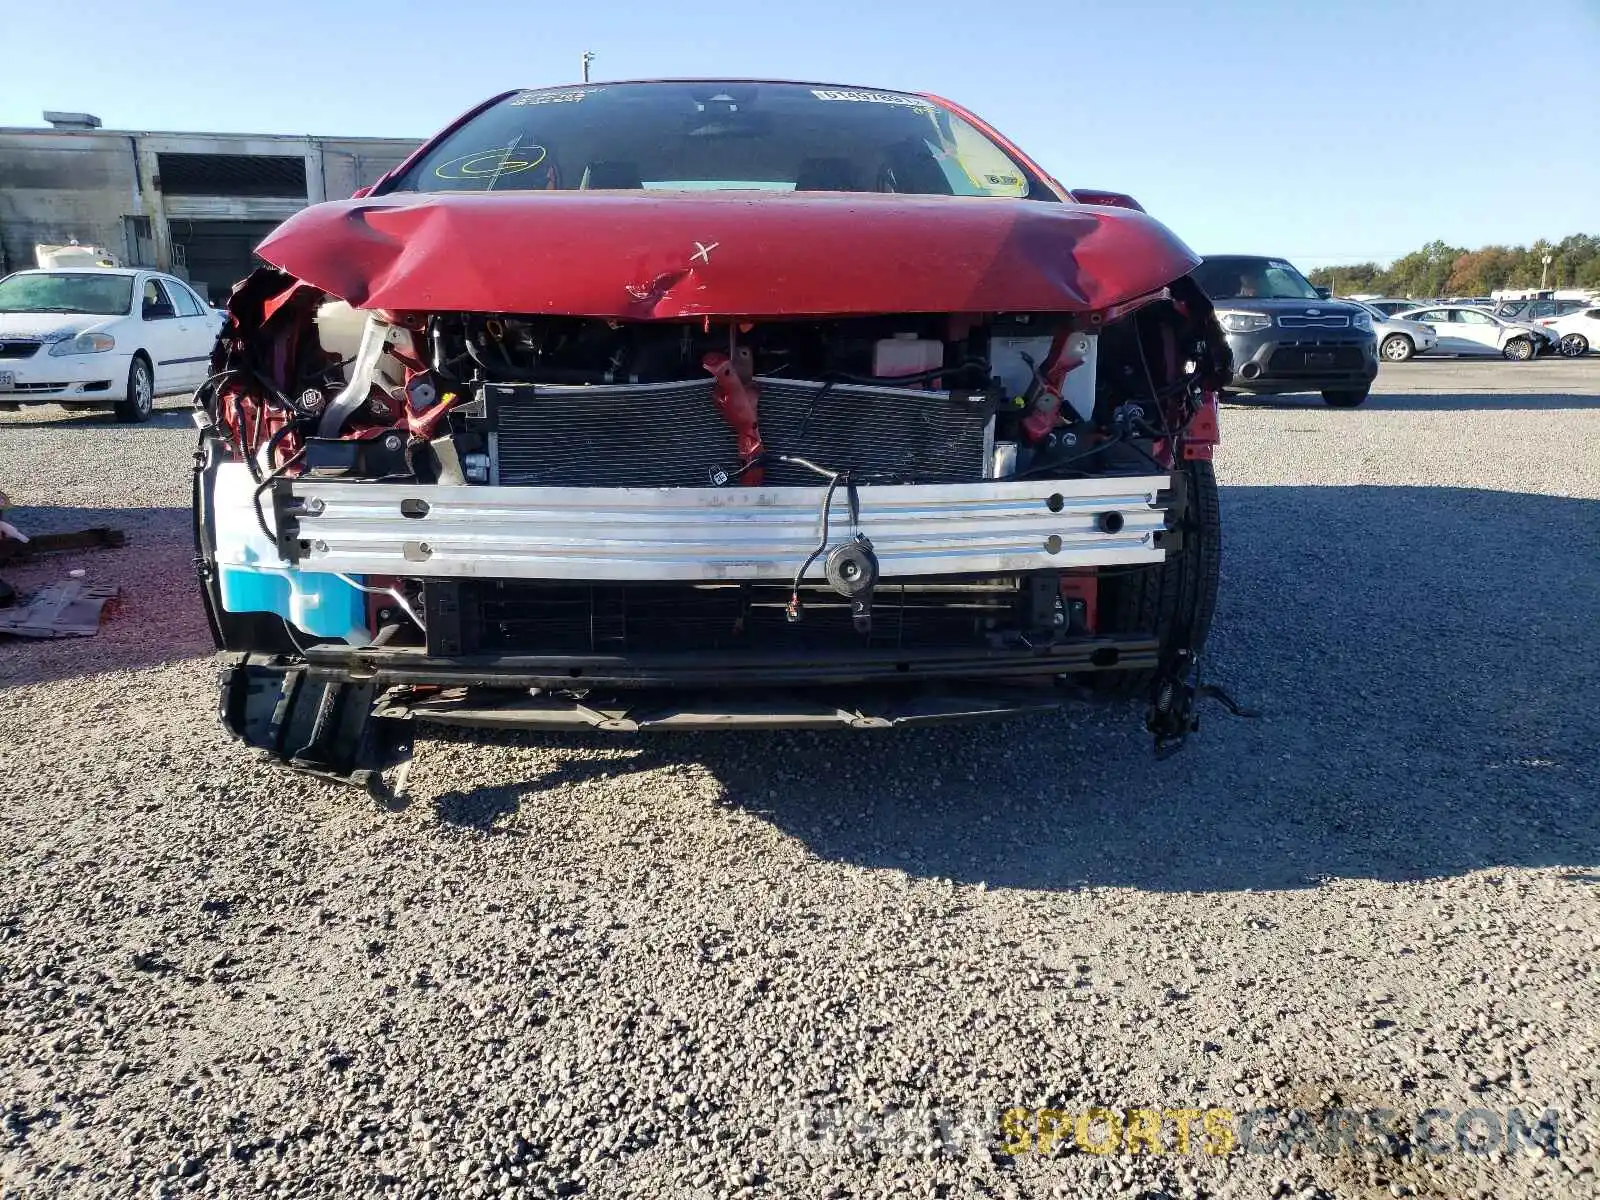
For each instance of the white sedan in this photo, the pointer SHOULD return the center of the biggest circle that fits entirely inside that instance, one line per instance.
(101, 337)
(1467, 329)
(1579, 331)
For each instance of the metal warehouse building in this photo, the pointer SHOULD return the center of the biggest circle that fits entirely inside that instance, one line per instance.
(195, 204)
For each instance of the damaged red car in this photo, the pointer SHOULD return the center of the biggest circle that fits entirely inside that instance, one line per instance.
(704, 404)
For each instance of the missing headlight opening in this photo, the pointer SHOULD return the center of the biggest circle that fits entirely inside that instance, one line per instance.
(443, 511)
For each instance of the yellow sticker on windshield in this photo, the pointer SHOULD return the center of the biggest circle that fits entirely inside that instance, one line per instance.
(988, 167)
(484, 164)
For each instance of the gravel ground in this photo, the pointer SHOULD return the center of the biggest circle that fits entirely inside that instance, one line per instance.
(823, 965)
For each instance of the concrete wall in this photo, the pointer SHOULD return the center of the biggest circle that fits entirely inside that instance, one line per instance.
(56, 185)
(350, 164)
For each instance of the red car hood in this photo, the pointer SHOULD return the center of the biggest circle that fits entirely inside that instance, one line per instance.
(673, 255)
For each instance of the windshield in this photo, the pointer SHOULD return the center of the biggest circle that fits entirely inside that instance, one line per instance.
(1237, 277)
(714, 136)
(103, 295)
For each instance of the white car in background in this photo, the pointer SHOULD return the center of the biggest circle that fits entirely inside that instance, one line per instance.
(1579, 331)
(100, 337)
(1398, 339)
(1466, 329)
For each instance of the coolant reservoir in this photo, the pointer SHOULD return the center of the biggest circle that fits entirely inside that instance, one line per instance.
(339, 328)
(906, 354)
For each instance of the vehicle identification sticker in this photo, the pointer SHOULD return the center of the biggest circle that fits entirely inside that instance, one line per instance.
(8, 381)
(858, 97)
(563, 96)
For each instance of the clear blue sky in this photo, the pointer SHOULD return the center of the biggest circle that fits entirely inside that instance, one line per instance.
(1324, 130)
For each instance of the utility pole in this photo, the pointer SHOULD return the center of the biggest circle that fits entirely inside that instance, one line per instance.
(588, 57)
(1544, 270)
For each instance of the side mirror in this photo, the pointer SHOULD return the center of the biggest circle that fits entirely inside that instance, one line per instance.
(1325, 293)
(154, 310)
(1109, 199)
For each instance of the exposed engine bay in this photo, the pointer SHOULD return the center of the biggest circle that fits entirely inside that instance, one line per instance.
(580, 502)
(296, 370)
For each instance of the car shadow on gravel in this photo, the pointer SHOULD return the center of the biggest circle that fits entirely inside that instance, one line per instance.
(157, 618)
(171, 412)
(1422, 657)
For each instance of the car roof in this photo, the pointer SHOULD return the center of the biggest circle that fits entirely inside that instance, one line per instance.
(87, 271)
(853, 87)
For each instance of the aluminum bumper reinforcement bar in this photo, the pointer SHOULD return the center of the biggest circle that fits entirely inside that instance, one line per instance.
(711, 534)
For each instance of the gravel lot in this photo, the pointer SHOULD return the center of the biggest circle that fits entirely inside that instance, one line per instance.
(575, 965)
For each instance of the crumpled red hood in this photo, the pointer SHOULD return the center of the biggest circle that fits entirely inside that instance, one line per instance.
(633, 256)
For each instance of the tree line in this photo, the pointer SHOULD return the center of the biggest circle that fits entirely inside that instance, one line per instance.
(1443, 270)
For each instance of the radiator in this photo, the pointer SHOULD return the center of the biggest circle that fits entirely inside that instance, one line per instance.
(671, 434)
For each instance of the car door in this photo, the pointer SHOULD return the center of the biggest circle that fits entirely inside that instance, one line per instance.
(1480, 332)
(158, 327)
(1439, 320)
(195, 333)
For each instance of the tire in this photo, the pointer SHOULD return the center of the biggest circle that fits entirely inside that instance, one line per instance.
(1519, 349)
(1397, 347)
(1574, 345)
(1342, 398)
(1175, 599)
(140, 399)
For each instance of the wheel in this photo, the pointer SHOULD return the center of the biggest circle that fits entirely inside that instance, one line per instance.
(1397, 347)
(1175, 599)
(1519, 349)
(1574, 345)
(141, 394)
(1341, 398)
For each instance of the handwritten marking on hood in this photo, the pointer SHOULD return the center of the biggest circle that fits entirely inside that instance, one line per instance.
(703, 252)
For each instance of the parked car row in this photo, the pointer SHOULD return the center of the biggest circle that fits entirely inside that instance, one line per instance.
(1468, 329)
(1289, 336)
(1573, 320)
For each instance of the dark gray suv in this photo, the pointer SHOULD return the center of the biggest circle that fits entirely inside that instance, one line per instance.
(1286, 335)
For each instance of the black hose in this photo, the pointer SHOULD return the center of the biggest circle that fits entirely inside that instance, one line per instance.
(272, 445)
(793, 610)
(968, 364)
(255, 497)
(244, 456)
(441, 364)
(1056, 463)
